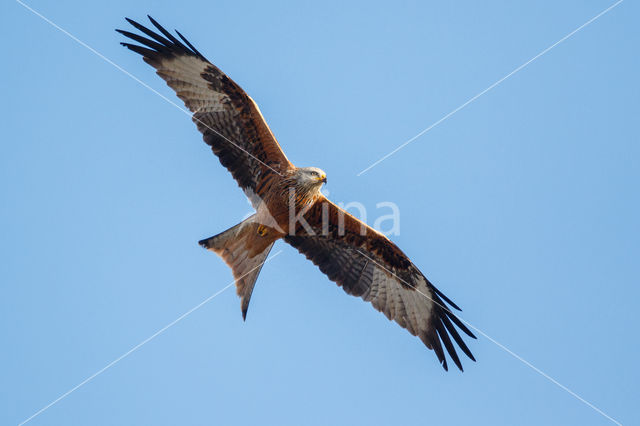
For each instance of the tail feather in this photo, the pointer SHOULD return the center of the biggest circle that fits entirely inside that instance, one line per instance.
(245, 252)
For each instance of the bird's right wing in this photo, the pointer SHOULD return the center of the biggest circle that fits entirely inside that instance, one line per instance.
(367, 264)
(228, 118)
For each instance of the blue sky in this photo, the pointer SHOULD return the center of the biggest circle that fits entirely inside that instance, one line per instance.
(522, 207)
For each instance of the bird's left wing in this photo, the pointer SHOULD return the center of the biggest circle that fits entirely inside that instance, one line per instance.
(227, 117)
(367, 264)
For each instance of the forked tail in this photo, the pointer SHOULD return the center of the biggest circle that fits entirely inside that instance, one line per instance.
(244, 250)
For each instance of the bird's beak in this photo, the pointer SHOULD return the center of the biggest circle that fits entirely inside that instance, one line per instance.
(324, 179)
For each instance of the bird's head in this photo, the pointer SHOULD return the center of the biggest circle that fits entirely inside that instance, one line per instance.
(310, 179)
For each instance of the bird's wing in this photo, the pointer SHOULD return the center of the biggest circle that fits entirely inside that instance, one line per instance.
(367, 264)
(228, 118)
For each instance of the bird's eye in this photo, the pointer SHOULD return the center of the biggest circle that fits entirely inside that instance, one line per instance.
(315, 173)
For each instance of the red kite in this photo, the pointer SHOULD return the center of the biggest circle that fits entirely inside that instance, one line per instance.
(289, 205)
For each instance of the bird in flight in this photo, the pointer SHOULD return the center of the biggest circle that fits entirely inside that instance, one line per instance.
(289, 205)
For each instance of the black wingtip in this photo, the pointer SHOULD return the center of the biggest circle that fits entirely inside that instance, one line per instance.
(165, 32)
(160, 42)
(146, 53)
(448, 345)
(446, 299)
(189, 44)
(456, 336)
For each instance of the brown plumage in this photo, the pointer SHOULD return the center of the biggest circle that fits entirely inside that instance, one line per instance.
(289, 204)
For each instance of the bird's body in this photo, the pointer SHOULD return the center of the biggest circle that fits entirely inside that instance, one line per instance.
(289, 204)
(289, 194)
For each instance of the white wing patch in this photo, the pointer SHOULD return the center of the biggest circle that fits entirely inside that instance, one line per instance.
(409, 308)
(184, 75)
